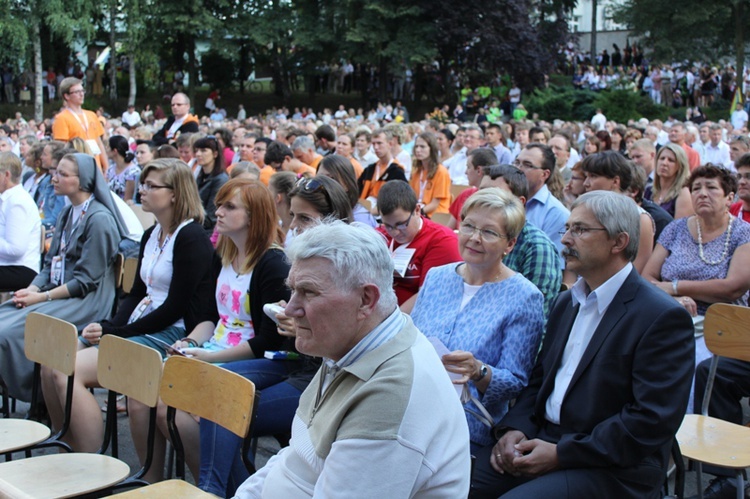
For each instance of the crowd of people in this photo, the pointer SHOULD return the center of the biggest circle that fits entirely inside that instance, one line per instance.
(566, 266)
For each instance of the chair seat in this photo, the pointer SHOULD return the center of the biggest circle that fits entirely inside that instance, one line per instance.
(18, 434)
(714, 441)
(167, 489)
(63, 475)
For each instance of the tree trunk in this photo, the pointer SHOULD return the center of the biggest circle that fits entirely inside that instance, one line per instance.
(133, 88)
(739, 42)
(192, 70)
(383, 80)
(593, 33)
(38, 89)
(112, 52)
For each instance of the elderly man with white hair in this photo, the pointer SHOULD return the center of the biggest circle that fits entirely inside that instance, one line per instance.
(380, 418)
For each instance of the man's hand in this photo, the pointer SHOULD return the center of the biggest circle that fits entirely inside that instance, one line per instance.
(505, 452)
(535, 457)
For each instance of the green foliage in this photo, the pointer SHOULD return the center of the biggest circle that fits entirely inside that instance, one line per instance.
(569, 104)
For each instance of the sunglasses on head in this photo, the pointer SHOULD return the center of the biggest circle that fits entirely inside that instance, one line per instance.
(313, 185)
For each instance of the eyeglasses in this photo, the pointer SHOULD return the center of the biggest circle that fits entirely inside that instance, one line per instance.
(82, 92)
(401, 226)
(313, 185)
(152, 187)
(743, 176)
(488, 236)
(259, 149)
(526, 165)
(54, 172)
(577, 231)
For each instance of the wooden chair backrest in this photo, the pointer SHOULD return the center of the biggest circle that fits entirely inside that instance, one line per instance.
(441, 218)
(457, 189)
(119, 269)
(209, 392)
(146, 219)
(727, 331)
(129, 368)
(129, 268)
(51, 342)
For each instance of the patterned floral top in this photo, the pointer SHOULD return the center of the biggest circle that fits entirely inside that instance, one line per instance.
(117, 181)
(684, 263)
(501, 326)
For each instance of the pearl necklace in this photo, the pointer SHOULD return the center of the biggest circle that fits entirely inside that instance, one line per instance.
(726, 242)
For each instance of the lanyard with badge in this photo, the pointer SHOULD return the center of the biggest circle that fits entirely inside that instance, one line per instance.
(401, 258)
(57, 269)
(85, 126)
(144, 306)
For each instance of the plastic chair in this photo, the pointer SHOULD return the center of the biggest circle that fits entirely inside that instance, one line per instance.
(129, 269)
(704, 439)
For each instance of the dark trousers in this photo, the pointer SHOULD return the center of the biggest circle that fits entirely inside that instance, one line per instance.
(576, 483)
(15, 277)
(732, 383)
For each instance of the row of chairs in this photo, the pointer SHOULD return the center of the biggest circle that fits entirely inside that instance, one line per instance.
(136, 371)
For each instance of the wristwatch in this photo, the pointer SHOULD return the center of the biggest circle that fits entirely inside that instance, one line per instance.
(482, 372)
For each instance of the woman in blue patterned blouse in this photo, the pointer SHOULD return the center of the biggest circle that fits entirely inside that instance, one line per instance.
(489, 317)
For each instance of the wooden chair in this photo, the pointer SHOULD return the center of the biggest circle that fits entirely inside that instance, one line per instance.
(458, 189)
(129, 268)
(134, 370)
(441, 218)
(53, 342)
(167, 489)
(209, 392)
(146, 219)
(704, 439)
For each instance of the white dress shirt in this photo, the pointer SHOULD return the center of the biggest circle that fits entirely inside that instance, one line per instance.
(592, 308)
(20, 229)
(718, 155)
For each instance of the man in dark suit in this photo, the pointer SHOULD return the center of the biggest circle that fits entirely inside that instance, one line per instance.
(180, 122)
(611, 383)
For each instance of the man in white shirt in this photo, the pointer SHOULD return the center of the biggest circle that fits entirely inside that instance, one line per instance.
(457, 164)
(739, 118)
(599, 121)
(20, 228)
(594, 420)
(381, 417)
(716, 151)
(131, 116)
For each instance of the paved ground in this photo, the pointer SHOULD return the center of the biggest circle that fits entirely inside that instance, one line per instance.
(268, 446)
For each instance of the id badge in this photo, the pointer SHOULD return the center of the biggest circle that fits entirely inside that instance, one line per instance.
(94, 147)
(140, 310)
(55, 274)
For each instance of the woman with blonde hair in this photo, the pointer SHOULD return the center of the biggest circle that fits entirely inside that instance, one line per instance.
(171, 294)
(669, 190)
(429, 179)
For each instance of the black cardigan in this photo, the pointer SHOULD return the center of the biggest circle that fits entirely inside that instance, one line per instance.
(191, 293)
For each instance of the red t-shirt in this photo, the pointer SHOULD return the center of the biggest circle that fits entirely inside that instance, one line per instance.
(735, 210)
(458, 204)
(435, 245)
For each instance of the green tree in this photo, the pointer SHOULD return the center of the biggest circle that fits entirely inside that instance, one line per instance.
(22, 20)
(695, 30)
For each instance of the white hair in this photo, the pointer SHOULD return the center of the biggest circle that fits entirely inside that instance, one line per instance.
(358, 253)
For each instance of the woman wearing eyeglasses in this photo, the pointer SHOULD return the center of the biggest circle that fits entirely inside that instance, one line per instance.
(171, 294)
(211, 177)
(77, 281)
(281, 383)
(489, 317)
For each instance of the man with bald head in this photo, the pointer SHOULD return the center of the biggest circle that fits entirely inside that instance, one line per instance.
(181, 121)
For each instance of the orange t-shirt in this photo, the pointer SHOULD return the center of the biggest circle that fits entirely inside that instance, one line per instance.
(265, 174)
(315, 162)
(68, 125)
(437, 188)
(357, 167)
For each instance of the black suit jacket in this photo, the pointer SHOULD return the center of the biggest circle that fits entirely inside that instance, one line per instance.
(160, 137)
(629, 392)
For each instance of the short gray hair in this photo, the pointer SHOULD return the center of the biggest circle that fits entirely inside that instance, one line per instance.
(303, 142)
(358, 253)
(617, 213)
